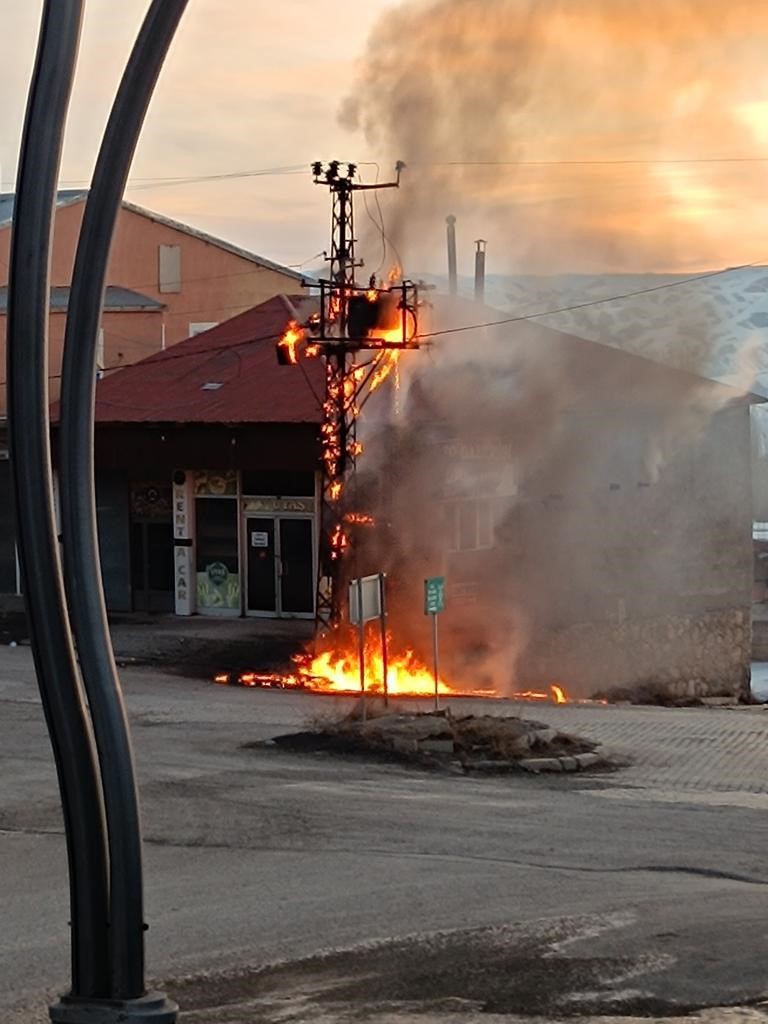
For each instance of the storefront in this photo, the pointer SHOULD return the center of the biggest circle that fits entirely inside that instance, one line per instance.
(245, 543)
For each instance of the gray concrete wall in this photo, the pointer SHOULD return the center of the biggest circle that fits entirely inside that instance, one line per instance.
(648, 578)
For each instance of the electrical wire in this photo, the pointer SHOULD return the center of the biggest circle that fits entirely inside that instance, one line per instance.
(171, 354)
(593, 302)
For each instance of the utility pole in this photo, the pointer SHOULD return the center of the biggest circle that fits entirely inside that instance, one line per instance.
(352, 319)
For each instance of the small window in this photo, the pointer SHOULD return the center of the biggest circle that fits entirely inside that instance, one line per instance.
(169, 268)
(469, 525)
(100, 354)
(201, 327)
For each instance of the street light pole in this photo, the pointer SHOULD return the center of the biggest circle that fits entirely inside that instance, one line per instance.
(91, 742)
(27, 376)
(82, 568)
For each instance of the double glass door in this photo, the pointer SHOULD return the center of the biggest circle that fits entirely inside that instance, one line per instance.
(281, 577)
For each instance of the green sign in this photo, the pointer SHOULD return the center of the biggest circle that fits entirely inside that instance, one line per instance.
(434, 595)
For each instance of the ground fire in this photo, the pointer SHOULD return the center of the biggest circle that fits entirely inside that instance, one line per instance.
(336, 669)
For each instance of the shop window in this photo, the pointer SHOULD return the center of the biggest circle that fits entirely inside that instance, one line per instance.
(218, 579)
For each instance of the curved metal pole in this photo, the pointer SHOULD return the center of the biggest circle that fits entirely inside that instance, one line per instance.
(78, 507)
(27, 375)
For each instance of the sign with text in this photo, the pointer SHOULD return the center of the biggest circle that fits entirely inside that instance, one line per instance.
(434, 595)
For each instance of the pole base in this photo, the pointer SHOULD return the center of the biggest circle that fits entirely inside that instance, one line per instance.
(154, 1008)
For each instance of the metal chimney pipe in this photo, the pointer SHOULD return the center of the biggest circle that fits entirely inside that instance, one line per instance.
(453, 277)
(480, 269)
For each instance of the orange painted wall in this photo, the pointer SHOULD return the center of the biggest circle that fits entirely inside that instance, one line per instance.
(215, 285)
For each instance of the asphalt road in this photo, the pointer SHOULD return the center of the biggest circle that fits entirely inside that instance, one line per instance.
(283, 887)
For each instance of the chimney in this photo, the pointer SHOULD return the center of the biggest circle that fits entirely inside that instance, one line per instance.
(480, 270)
(453, 279)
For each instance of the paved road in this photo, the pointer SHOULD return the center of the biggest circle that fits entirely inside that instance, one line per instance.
(375, 890)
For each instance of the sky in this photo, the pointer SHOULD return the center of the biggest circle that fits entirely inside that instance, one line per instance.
(247, 86)
(590, 135)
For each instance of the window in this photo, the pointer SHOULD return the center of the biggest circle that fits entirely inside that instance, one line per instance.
(469, 525)
(169, 268)
(199, 328)
(100, 354)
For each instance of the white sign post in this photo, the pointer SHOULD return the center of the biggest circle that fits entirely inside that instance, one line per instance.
(366, 602)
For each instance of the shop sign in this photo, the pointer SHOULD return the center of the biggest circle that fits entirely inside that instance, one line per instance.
(274, 506)
(180, 512)
(213, 484)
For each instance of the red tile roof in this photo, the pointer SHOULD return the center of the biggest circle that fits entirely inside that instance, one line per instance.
(238, 363)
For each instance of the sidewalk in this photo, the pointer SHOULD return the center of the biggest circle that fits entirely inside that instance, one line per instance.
(198, 646)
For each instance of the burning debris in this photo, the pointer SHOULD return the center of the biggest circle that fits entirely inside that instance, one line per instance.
(336, 669)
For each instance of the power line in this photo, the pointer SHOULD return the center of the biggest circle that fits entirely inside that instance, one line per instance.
(143, 183)
(170, 354)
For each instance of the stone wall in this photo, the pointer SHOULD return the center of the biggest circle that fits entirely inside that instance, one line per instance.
(685, 656)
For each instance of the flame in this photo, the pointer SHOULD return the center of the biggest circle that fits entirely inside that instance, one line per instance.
(294, 334)
(339, 542)
(555, 694)
(337, 670)
(359, 519)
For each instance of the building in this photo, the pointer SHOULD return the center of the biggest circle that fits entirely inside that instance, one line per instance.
(207, 461)
(166, 281)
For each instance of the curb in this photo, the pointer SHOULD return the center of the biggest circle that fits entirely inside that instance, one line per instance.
(561, 764)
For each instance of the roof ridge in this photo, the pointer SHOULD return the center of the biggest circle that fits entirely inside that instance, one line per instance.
(204, 236)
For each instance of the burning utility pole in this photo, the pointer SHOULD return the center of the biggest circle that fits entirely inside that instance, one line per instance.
(377, 318)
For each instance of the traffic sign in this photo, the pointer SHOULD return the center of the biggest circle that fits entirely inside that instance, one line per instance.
(434, 595)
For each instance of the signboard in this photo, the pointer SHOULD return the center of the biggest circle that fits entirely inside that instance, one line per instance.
(434, 595)
(259, 539)
(370, 586)
(274, 506)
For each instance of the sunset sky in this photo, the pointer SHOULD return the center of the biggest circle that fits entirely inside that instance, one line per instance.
(247, 85)
(622, 136)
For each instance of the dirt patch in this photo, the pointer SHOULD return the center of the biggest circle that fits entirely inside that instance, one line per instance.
(470, 743)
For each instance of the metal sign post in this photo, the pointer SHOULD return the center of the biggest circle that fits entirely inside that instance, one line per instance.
(434, 603)
(383, 622)
(361, 641)
(366, 602)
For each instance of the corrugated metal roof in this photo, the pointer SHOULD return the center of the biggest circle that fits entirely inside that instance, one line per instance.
(116, 299)
(175, 386)
(63, 198)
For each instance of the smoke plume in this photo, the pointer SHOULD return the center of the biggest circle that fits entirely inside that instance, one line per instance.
(603, 134)
(590, 507)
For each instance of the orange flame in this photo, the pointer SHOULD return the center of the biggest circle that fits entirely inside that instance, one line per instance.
(290, 341)
(359, 519)
(555, 694)
(338, 671)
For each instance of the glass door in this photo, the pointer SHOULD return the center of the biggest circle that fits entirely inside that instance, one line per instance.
(262, 566)
(296, 568)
